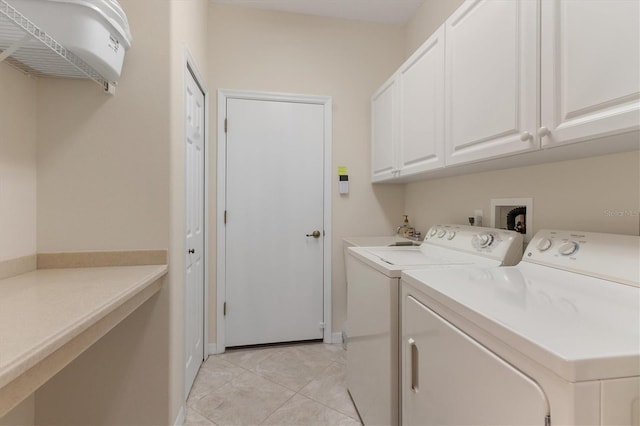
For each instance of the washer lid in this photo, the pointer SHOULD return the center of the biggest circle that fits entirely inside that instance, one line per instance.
(580, 327)
(391, 261)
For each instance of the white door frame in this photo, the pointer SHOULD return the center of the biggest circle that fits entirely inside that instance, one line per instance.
(191, 67)
(327, 102)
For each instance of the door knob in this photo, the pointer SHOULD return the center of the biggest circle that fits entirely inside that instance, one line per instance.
(314, 234)
(191, 251)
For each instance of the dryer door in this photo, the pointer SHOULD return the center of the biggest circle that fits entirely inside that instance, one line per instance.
(450, 379)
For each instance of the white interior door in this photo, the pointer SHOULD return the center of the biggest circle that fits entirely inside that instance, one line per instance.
(194, 291)
(274, 201)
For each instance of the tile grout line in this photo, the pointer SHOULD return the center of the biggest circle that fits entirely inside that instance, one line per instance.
(192, 406)
(280, 406)
(323, 403)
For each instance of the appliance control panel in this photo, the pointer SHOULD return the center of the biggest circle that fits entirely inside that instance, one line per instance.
(498, 244)
(609, 256)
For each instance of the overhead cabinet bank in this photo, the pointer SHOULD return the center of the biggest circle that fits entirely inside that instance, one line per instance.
(472, 92)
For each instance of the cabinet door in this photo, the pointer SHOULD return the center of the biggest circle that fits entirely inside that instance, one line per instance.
(590, 62)
(491, 80)
(450, 379)
(421, 103)
(384, 132)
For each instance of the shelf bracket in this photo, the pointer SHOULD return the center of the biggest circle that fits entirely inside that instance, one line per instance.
(109, 87)
(15, 46)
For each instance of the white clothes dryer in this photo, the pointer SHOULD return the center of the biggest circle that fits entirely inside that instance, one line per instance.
(373, 277)
(553, 340)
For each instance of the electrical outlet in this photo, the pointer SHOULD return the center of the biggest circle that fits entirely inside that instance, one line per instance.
(477, 214)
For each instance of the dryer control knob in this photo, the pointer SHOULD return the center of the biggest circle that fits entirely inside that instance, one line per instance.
(568, 248)
(544, 244)
(451, 234)
(433, 232)
(483, 240)
(441, 233)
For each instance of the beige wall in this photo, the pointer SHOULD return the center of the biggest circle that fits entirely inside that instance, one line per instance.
(17, 164)
(104, 183)
(103, 160)
(188, 31)
(280, 52)
(426, 20)
(577, 195)
(22, 415)
(570, 195)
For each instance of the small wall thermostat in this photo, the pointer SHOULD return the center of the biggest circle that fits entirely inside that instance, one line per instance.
(343, 180)
(344, 184)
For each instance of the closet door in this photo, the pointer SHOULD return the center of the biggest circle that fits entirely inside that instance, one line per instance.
(590, 66)
(491, 72)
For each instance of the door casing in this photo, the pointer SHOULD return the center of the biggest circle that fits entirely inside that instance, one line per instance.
(326, 101)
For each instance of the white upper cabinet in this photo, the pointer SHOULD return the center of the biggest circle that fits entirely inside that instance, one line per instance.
(508, 77)
(491, 80)
(421, 108)
(384, 132)
(590, 65)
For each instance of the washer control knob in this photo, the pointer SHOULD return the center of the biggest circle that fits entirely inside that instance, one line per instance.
(483, 240)
(568, 248)
(441, 233)
(433, 232)
(544, 244)
(451, 234)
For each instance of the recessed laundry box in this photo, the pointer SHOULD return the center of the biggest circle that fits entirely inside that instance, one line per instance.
(95, 30)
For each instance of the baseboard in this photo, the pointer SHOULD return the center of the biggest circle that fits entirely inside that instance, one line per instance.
(181, 417)
(212, 349)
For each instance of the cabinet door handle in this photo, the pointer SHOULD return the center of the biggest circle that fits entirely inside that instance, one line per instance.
(543, 131)
(525, 136)
(414, 364)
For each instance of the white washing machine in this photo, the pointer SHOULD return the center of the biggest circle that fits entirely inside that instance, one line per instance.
(553, 340)
(373, 280)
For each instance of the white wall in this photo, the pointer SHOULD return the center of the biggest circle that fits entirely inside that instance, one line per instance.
(17, 164)
(282, 52)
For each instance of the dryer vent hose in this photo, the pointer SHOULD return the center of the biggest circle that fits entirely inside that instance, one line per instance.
(519, 226)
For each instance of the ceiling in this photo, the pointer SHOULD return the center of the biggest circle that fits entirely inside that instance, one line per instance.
(382, 11)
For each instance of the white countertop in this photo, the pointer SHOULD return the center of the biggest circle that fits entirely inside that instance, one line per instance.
(44, 310)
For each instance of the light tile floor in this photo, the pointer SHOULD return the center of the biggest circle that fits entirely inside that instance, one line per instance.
(301, 384)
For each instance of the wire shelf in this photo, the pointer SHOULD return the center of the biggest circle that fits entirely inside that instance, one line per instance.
(29, 49)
